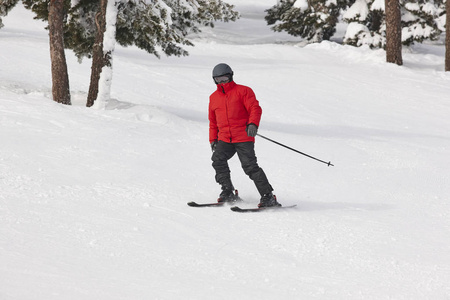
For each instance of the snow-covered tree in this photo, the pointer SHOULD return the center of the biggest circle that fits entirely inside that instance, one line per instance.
(101, 54)
(420, 20)
(366, 23)
(52, 11)
(314, 20)
(152, 25)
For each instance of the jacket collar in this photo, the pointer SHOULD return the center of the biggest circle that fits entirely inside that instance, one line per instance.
(226, 87)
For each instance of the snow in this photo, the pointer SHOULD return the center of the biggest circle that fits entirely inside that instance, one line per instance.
(441, 21)
(378, 5)
(109, 43)
(93, 202)
(164, 6)
(354, 29)
(429, 9)
(301, 4)
(412, 6)
(416, 30)
(359, 11)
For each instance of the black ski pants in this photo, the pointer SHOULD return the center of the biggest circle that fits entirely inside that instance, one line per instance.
(246, 153)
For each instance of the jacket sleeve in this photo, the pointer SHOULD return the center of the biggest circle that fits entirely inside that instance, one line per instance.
(252, 106)
(213, 129)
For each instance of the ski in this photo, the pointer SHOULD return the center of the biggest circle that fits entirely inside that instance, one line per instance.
(236, 199)
(259, 209)
(195, 204)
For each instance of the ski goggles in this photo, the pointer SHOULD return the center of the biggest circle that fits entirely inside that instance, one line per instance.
(222, 79)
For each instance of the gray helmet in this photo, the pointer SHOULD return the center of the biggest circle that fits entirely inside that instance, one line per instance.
(222, 69)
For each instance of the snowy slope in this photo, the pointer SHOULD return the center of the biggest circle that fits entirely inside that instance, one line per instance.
(93, 202)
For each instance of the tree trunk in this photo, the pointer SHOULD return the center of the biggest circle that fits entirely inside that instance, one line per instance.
(60, 77)
(393, 32)
(98, 59)
(109, 42)
(447, 38)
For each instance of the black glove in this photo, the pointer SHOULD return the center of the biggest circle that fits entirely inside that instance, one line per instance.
(252, 129)
(213, 146)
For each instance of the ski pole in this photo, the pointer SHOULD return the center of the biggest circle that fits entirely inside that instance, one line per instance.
(280, 144)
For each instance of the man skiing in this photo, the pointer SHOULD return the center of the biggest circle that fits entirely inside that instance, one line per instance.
(234, 116)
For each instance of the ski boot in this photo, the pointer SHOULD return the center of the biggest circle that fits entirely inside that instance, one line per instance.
(228, 196)
(268, 200)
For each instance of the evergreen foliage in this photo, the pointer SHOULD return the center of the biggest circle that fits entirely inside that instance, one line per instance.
(40, 8)
(152, 25)
(367, 24)
(5, 7)
(420, 20)
(314, 20)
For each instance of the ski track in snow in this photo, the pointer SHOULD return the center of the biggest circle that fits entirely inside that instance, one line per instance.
(93, 202)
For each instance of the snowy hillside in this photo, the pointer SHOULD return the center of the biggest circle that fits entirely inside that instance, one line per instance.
(93, 202)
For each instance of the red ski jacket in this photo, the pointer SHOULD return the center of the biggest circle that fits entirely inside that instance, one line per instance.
(231, 108)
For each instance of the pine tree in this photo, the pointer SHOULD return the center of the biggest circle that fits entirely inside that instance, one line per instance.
(60, 77)
(147, 24)
(152, 25)
(314, 20)
(100, 59)
(366, 23)
(420, 20)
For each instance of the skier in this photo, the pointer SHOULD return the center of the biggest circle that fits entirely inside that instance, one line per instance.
(234, 116)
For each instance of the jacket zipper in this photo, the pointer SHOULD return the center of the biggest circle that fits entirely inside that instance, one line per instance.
(226, 108)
